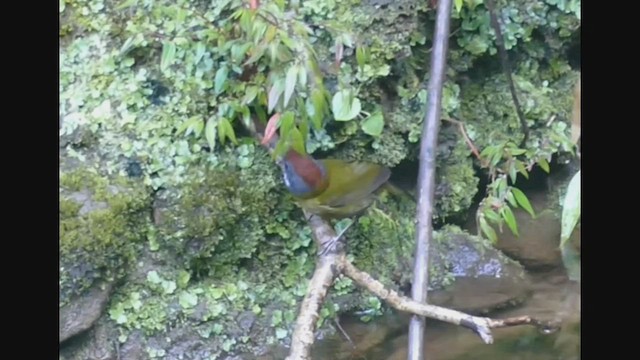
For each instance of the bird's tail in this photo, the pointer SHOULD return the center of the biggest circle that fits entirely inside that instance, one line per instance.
(399, 192)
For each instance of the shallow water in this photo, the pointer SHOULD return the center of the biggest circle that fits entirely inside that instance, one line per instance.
(553, 297)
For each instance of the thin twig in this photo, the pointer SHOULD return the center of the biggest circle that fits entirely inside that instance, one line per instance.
(480, 325)
(507, 69)
(463, 131)
(429, 50)
(344, 333)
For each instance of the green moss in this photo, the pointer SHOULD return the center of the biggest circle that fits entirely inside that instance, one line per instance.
(220, 215)
(100, 227)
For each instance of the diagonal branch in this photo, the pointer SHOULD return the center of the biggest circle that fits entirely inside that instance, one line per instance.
(328, 267)
(480, 325)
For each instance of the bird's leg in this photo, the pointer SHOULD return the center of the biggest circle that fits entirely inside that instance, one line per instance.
(331, 245)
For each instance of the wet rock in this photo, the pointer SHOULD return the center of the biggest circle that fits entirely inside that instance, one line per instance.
(537, 246)
(134, 347)
(83, 311)
(85, 199)
(246, 320)
(99, 343)
(484, 278)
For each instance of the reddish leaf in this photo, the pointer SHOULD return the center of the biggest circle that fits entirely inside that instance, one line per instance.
(270, 130)
(254, 4)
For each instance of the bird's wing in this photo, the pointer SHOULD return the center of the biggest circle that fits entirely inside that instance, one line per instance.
(355, 182)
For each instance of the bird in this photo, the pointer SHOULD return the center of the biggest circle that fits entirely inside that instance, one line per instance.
(330, 188)
(333, 188)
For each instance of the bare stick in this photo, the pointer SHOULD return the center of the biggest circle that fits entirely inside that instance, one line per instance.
(426, 177)
(344, 333)
(480, 325)
(463, 131)
(328, 266)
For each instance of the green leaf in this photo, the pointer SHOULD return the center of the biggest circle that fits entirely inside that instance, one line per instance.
(507, 214)
(522, 169)
(347, 39)
(153, 277)
(216, 293)
(188, 300)
(220, 79)
(246, 116)
(287, 41)
(345, 105)
(274, 94)
(62, 6)
(273, 51)
(246, 20)
(190, 126)
(516, 151)
(168, 287)
(238, 52)
(259, 29)
(544, 165)
(257, 54)
(281, 333)
(183, 278)
(495, 159)
(276, 317)
(250, 94)
(228, 130)
(168, 55)
(488, 230)
(280, 148)
(458, 4)
(511, 199)
(290, 83)
(513, 173)
(200, 49)
(571, 261)
(304, 129)
(501, 186)
(128, 45)
(286, 123)
(489, 150)
(302, 76)
(297, 141)
(570, 209)
(210, 133)
(126, 4)
(373, 124)
(522, 200)
(262, 115)
(181, 15)
(318, 100)
(492, 215)
(361, 56)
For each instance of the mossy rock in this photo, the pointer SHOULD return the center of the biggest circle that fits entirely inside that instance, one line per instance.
(102, 222)
(217, 220)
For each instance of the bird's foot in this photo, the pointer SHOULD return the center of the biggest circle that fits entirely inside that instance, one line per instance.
(334, 245)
